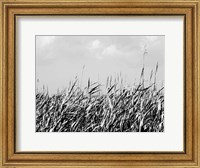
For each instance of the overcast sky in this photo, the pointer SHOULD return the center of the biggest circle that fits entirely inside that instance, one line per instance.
(59, 59)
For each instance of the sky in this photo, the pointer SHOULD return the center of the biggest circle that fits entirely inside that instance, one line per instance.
(60, 59)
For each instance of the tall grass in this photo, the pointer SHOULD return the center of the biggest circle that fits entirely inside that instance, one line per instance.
(119, 108)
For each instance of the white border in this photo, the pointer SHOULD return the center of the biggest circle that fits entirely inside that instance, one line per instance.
(28, 27)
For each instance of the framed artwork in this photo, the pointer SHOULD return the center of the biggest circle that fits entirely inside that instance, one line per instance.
(99, 84)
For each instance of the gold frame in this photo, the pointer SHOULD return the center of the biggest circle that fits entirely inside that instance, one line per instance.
(190, 157)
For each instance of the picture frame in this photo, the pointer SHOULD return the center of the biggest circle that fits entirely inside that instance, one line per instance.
(189, 157)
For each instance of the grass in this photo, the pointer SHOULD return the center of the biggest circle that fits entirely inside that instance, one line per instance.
(117, 109)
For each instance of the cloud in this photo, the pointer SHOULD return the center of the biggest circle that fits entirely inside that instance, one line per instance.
(43, 48)
(95, 44)
(45, 40)
(151, 38)
(101, 51)
(110, 50)
(105, 52)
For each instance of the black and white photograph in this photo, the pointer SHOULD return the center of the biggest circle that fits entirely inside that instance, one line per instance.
(99, 83)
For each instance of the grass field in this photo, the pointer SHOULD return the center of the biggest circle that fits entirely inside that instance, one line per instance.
(118, 108)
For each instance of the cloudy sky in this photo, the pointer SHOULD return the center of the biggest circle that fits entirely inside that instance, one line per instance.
(59, 59)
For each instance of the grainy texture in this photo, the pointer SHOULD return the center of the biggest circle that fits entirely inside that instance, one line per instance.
(191, 156)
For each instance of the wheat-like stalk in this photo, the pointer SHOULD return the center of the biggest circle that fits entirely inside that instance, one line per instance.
(89, 109)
